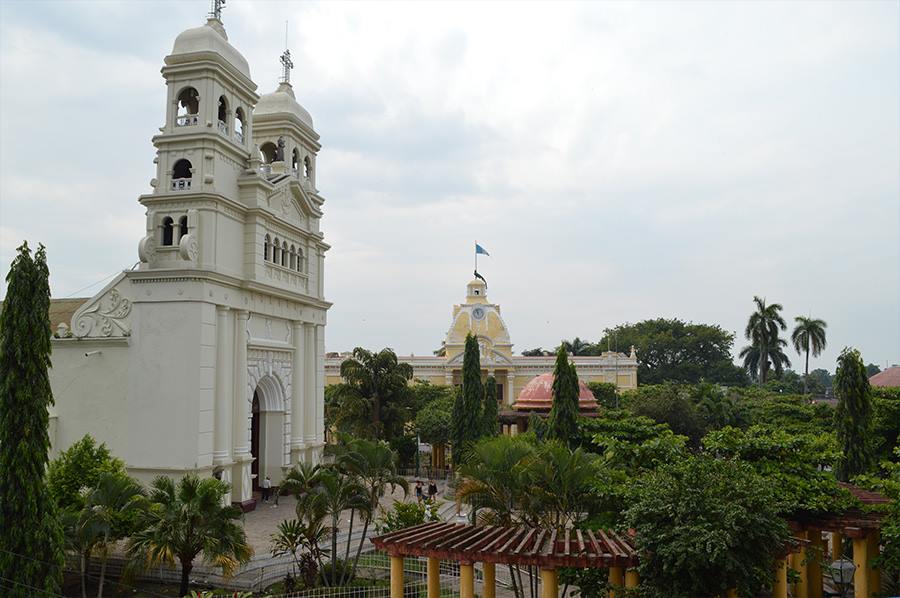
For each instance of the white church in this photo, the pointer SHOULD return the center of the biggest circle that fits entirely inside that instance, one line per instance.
(208, 357)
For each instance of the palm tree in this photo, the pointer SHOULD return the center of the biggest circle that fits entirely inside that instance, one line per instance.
(766, 349)
(110, 510)
(373, 466)
(188, 520)
(379, 382)
(808, 336)
(334, 494)
(577, 347)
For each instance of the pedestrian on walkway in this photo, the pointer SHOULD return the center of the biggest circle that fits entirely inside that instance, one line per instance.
(432, 489)
(266, 489)
(419, 491)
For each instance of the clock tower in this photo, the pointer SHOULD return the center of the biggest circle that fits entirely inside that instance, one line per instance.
(479, 317)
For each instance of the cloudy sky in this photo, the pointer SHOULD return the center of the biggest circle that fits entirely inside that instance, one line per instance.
(620, 161)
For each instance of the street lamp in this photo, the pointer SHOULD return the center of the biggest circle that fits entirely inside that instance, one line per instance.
(842, 571)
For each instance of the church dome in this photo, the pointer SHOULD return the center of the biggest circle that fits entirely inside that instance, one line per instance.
(538, 395)
(282, 101)
(210, 37)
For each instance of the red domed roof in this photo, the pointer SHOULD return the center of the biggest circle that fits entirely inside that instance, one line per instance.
(538, 394)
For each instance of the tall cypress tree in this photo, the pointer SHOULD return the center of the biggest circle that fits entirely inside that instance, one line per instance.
(31, 542)
(467, 408)
(489, 416)
(562, 423)
(853, 416)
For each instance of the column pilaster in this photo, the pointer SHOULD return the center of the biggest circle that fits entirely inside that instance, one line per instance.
(510, 389)
(309, 386)
(242, 484)
(224, 388)
(298, 379)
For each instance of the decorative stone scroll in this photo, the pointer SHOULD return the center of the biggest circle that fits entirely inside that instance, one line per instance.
(108, 316)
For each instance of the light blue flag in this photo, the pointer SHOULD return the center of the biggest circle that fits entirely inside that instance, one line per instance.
(481, 250)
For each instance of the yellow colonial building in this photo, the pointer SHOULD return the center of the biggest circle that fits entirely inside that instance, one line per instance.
(516, 375)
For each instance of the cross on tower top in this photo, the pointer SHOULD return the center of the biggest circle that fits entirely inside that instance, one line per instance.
(215, 9)
(287, 64)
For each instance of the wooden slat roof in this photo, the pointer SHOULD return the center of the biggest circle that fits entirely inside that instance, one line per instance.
(549, 548)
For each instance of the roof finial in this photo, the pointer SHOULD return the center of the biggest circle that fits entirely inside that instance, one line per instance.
(215, 9)
(286, 63)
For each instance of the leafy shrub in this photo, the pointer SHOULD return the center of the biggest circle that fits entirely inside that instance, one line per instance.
(79, 468)
(407, 514)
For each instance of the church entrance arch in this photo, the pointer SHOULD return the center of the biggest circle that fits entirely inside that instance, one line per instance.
(268, 429)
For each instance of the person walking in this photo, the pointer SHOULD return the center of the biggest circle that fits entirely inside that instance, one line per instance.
(266, 489)
(432, 489)
(419, 491)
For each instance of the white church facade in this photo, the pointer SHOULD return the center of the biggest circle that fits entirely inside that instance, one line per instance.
(208, 357)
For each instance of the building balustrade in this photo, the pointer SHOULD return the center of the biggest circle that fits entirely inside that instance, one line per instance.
(239, 136)
(187, 120)
(223, 127)
(181, 184)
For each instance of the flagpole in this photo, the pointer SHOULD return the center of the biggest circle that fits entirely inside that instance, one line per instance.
(476, 255)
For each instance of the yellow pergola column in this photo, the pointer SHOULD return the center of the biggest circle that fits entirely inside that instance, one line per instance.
(433, 574)
(631, 578)
(466, 580)
(490, 581)
(616, 579)
(837, 543)
(874, 541)
(549, 583)
(861, 575)
(731, 593)
(814, 568)
(396, 576)
(780, 589)
(798, 563)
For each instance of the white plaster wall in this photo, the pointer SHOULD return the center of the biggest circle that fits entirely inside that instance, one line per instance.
(90, 393)
(164, 387)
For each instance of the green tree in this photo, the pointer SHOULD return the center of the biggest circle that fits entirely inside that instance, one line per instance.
(374, 400)
(872, 369)
(467, 409)
(111, 509)
(82, 465)
(31, 543)
(693, 544)
(564, 413)
(372, 464)
(766, 348)
(821, 379)
(536, 352)
(577, 347)
(490, 412)
(853, 416)
(677, 351)
(187, 520)
(668, 404)
(808, 337)
(606, 393)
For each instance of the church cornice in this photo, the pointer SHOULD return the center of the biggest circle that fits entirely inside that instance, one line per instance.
(208, 138)
(200, 200)
(275, 124)
(204, 63)
(203, 275)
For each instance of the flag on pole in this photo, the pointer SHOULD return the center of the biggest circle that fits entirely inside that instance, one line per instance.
(481, 250)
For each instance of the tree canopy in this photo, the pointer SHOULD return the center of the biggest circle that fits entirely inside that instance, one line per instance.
(31, 543)
(853, 416)
(766, 348)
(564, 412)
(467, 416)
(677, 351)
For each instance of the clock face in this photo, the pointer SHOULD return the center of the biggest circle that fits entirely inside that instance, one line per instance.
(478, 313)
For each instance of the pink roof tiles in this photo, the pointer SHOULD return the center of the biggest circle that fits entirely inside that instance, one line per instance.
(538, 395)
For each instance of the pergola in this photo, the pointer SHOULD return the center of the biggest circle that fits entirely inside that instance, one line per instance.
(861, 526)
(547, 549)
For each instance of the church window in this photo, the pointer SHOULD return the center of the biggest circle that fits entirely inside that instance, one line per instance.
(167, 230)
(293, 263)
(182, 227)
(267, 152)
(188, 107)
(181, 175)
(307, 167)
(266, 243)
(295, 162)
(299, 259)
(223, 115)
(284, 254)
(239, 125)
(276, 251)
